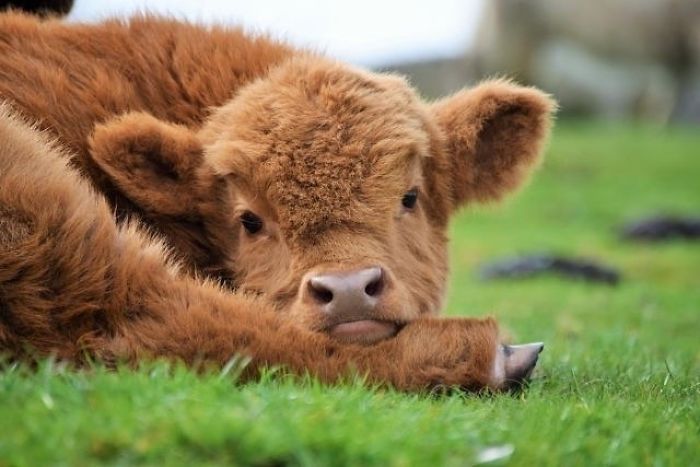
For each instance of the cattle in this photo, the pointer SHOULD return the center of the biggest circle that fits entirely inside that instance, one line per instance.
(197, 193)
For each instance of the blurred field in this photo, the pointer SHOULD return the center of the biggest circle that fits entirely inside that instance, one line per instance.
(618, 383)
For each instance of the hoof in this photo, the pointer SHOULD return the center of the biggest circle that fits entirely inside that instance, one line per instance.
(514, 364)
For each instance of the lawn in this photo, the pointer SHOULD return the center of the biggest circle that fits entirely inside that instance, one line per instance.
(618, 383)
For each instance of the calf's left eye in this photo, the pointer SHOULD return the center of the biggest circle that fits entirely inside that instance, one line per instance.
(251, 222)
(410, 198)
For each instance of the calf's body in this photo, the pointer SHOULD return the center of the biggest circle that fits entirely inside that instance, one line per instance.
(321, 193)
(76, 285)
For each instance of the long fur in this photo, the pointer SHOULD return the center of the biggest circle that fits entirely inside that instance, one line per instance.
(184, 129)
(76, 285)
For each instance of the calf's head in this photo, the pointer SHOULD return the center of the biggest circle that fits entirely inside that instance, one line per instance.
(334, 187)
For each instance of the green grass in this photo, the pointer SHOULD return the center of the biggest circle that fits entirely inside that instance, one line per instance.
(618, 383)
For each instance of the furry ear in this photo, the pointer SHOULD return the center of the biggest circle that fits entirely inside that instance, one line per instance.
(153, 163)
(494, 135)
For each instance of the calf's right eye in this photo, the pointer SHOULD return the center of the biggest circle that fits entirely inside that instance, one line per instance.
(251, 222)
(410, 198)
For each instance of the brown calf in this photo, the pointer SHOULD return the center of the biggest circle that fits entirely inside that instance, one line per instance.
(320, 189)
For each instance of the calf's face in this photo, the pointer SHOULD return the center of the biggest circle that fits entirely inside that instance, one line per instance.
(335, 187)
(342, 182)
(326, 174)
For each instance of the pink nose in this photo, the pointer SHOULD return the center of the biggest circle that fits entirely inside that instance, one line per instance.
(348, 295)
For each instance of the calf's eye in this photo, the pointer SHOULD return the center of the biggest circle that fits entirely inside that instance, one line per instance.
(410, 198)
(251, 222)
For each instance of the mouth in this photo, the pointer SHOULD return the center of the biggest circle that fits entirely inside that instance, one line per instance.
(363, 332)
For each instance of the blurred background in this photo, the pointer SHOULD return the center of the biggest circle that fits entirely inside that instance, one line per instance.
(621, 59)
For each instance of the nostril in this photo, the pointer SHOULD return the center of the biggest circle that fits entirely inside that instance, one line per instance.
(375, 287)
(375, 281)
(319, 292)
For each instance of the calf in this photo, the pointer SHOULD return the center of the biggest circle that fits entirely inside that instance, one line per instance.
(321, 193)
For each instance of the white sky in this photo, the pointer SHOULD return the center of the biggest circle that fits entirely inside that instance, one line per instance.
(364, 32)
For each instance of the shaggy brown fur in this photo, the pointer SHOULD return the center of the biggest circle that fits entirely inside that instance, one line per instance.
(192, 129)
(115, 296)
